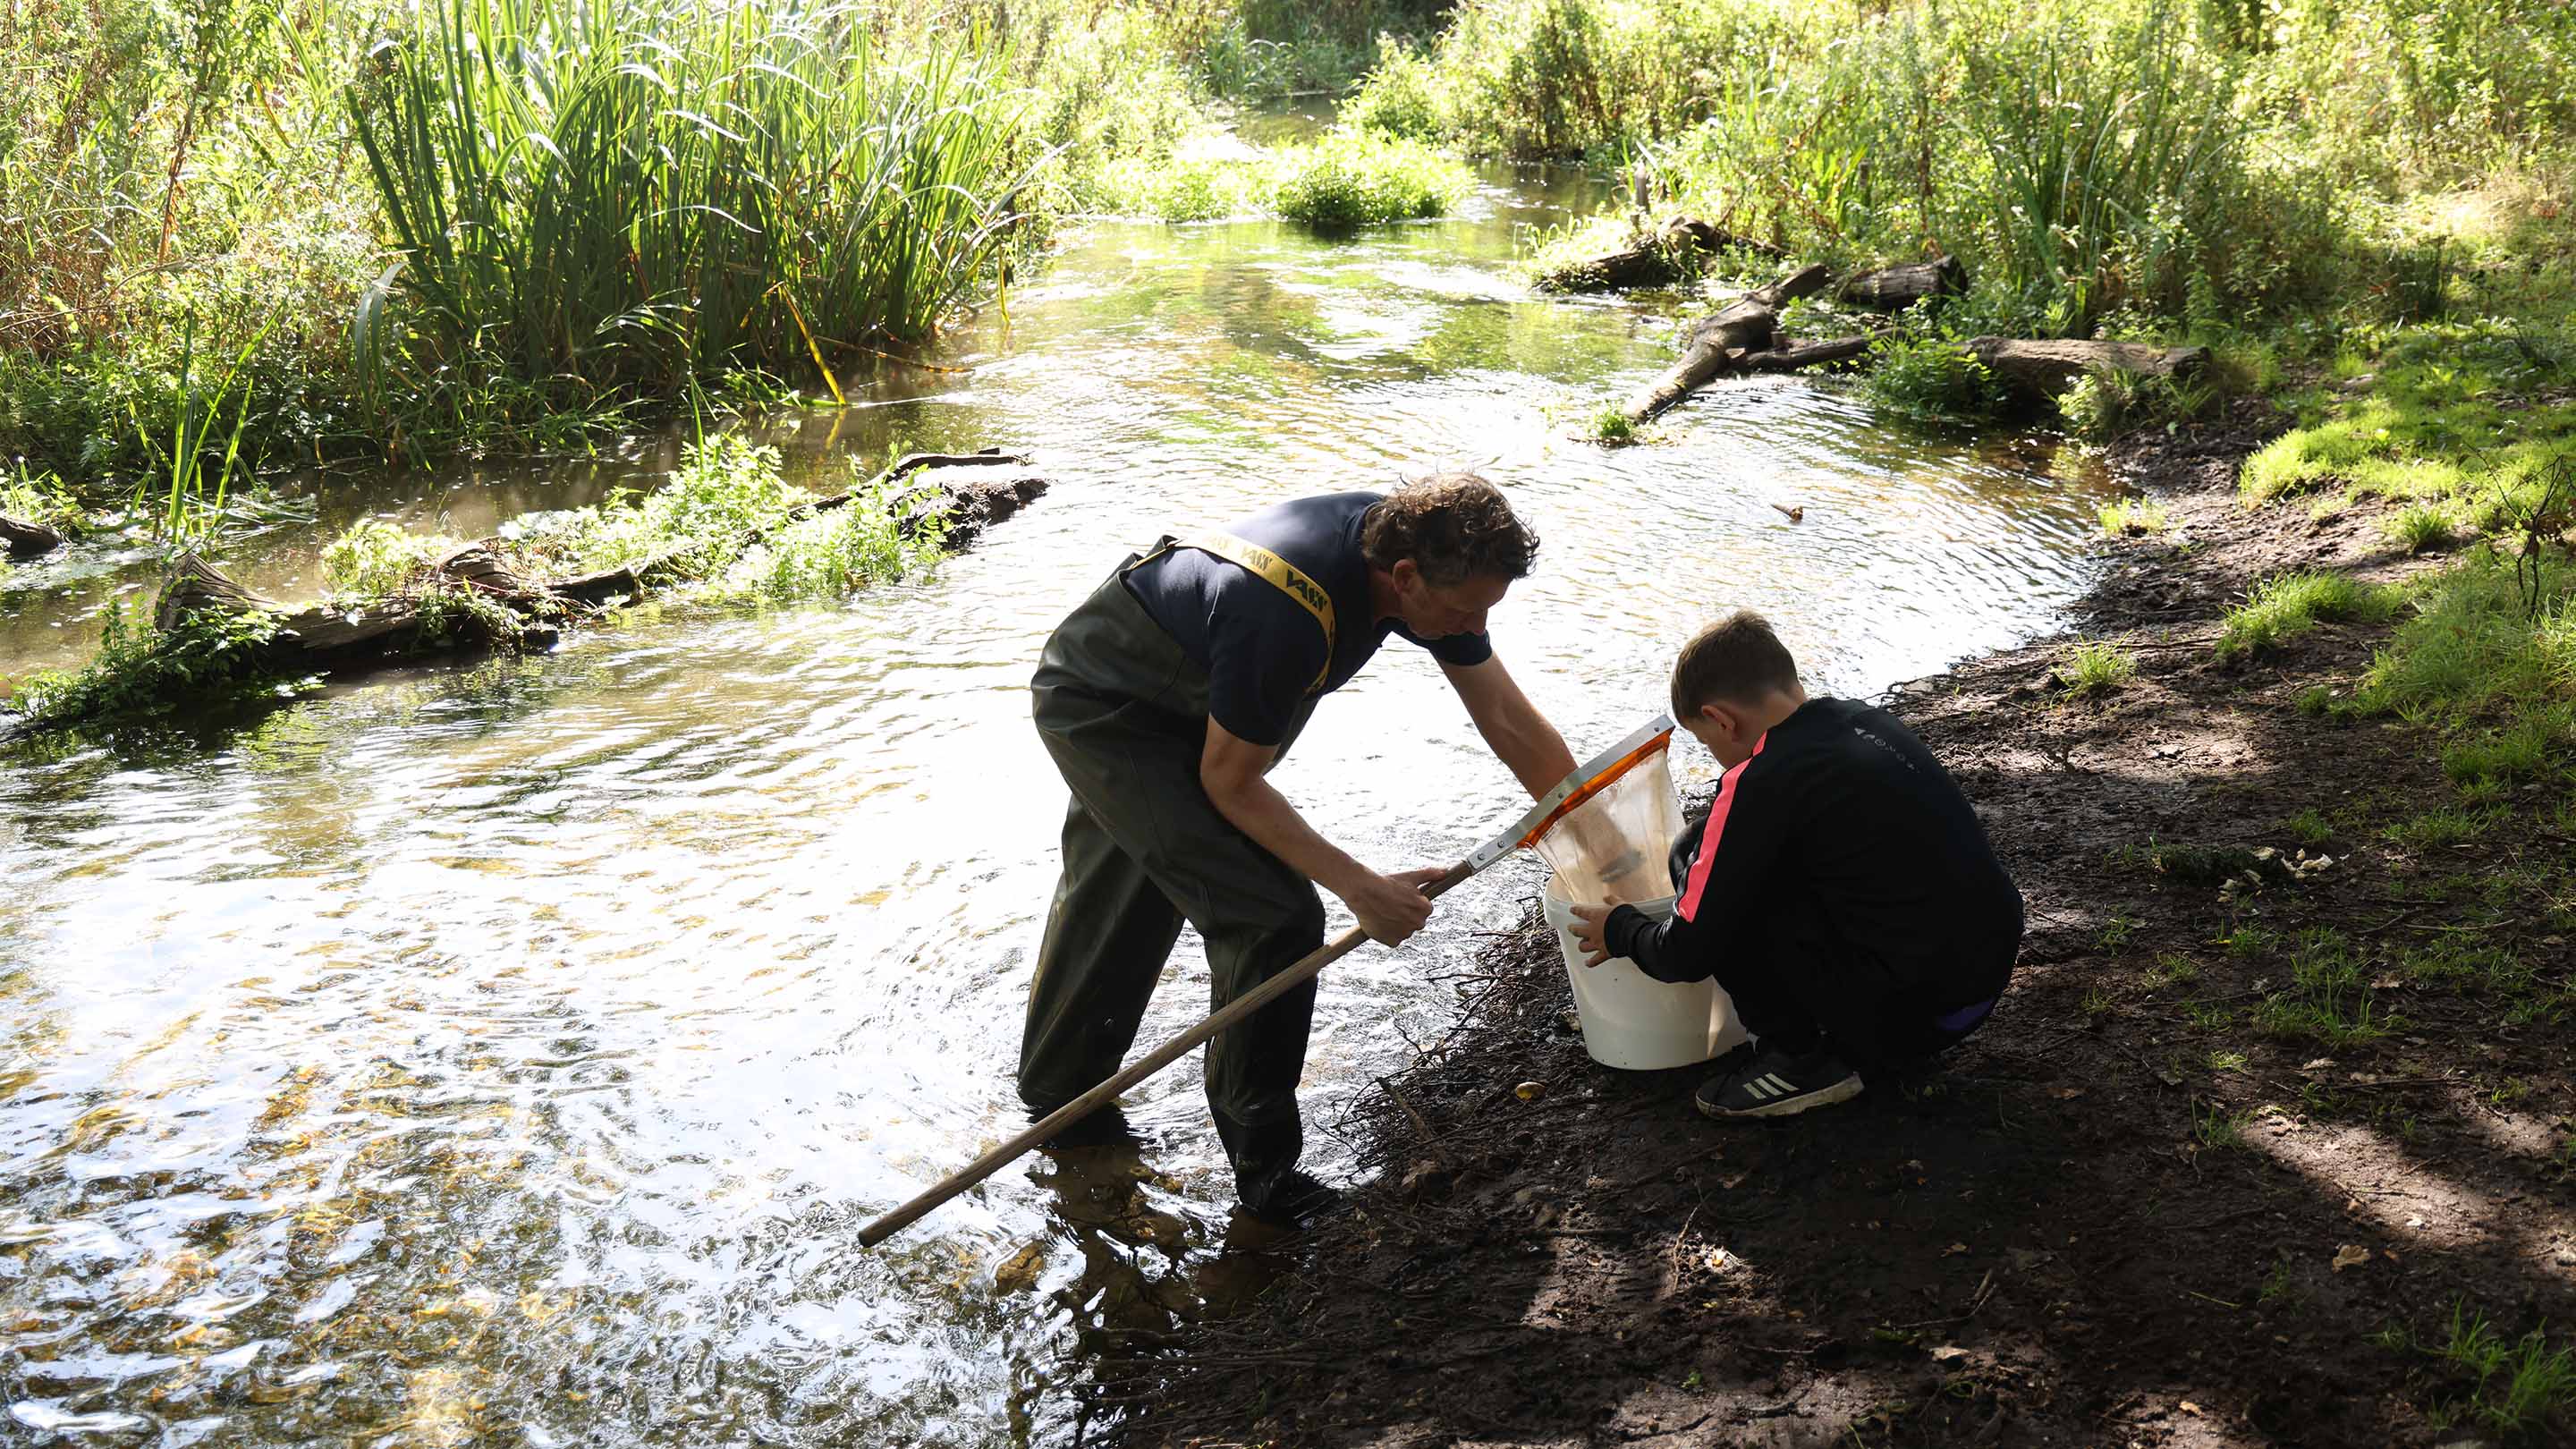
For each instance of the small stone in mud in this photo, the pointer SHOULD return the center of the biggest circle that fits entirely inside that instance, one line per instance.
(1530, 1091)
(1020, 1272)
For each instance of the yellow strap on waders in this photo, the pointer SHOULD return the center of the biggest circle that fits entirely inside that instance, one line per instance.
(1284, 576)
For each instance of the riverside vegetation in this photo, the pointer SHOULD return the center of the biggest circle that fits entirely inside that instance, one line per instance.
(251, 234)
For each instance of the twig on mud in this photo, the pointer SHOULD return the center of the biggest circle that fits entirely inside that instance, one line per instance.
(2222, 1219)
(1976, 1301)
(1421, 1128)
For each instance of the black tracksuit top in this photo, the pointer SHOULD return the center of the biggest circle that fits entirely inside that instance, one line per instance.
(1843, 818)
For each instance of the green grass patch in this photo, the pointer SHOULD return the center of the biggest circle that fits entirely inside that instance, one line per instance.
(2194, 864)
(2329, 996)
(2128, 517)
(2311, 827)
(2216, 1129)
(2520, 1388)
(2420, 528)
(2097, 668)
(2443, 827)
(2288, 605)
(2172, 969)
(2445, 424)
(1611, 424)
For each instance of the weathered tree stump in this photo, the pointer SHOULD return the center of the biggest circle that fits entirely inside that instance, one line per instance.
(2040, 371)
(1720, 343)
(1895, 288)
(26, 540)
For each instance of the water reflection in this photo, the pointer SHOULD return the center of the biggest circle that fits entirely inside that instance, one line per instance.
(516, 1050)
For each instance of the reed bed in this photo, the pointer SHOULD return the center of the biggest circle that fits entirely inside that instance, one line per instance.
(627, 195)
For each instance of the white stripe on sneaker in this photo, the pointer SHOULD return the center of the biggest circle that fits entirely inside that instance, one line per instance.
(1774, 1080)
(1758, 1092)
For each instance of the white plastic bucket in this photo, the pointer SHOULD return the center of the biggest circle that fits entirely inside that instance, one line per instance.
(1629, 1018)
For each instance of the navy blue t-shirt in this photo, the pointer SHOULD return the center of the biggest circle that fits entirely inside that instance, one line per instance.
(1262, 649)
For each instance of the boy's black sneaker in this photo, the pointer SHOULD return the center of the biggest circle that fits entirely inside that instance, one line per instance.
(1774, 1083)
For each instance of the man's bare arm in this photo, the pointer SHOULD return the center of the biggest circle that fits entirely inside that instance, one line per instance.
(1513, 728)
(1389, 908)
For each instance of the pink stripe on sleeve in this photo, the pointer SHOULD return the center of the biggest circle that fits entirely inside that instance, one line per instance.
(1710, 833)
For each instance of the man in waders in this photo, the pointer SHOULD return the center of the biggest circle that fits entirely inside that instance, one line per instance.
(1164, 698)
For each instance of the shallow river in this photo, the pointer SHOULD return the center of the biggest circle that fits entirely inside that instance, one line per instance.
(516, 1050)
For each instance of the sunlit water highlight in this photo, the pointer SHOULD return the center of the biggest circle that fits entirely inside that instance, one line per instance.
(516, 1050)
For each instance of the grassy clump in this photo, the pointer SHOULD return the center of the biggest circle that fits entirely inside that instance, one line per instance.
(374, 558)
(2288, 605)
(2329, 998)
(2097, 668)
(2519, 1388)
(2489, 660)
(1612, 425)
(2125, 517)
(2419, 528)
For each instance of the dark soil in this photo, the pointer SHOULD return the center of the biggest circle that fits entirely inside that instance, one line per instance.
(2135, 1209)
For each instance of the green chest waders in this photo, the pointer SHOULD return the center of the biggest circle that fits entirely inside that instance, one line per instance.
(1124, 714)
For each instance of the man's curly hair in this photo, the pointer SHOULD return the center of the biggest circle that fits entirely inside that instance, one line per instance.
(1454, 526)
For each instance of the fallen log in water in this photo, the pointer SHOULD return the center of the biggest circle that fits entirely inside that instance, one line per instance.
(327, 638)
(1720, 343)
(1650, 260)
(1894, 288)
(2041, 371)
(25, 540)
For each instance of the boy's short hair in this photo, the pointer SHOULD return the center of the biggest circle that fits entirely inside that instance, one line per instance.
(1737, 659)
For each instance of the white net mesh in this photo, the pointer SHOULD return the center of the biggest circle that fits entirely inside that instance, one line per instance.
(1613, 848)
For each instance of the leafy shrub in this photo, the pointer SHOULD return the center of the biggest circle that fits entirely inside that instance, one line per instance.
(1400, 98)
(1931, 378)
(1352, 179)
(142, 670)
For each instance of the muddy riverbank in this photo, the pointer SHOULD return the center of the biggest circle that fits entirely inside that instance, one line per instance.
(2139, 1208)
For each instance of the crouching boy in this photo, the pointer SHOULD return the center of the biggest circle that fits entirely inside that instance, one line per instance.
(1842, 891)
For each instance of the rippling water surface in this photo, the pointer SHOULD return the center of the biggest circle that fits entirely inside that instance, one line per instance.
(516, 1050)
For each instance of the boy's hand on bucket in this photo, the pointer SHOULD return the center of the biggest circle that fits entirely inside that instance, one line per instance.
(1392, 907)
(1588, 931)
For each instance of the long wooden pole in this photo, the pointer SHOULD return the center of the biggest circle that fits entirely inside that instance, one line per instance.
(1145, 1066)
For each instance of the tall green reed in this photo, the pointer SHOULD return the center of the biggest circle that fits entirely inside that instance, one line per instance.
(621, 195)
(192, 498)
